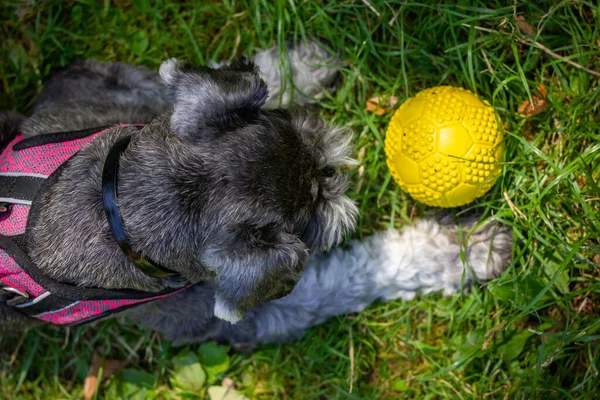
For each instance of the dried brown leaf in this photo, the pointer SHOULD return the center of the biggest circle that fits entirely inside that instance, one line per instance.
(381, 105)
(524, 27)
(528, 109)
(110, 367)
(543, 92)
(538, 105)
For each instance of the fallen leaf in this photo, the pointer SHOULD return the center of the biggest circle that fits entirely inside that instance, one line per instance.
(543, 92)
(187, 372)
(528, 109)
(524, 27)
(221, 393)
(381, 105)
(109, 368)
(537, 105)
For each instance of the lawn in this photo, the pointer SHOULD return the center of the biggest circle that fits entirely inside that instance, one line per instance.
(532, 333)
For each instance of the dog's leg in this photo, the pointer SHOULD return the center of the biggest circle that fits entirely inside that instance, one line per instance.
(299, 76)
(188, 317)
(91, 94)
(423, 258)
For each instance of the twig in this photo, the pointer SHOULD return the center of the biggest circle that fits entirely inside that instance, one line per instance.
(372, 8)
(511, 205)
(15, 353)
(351, 355)
(394, 17)
(540, 46)
(487, 62)
(558, 56)
(379, 341)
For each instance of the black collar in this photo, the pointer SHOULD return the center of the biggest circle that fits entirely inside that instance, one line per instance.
(115, 222)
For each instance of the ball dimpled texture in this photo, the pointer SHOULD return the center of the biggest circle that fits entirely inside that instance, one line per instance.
(444, 147)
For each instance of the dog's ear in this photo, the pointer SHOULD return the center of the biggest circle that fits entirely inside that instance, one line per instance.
(206, 97)
(253, 264)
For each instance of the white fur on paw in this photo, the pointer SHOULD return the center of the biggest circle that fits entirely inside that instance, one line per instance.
(490, 250)
(225, 312)
(313, 71)
(169, 69)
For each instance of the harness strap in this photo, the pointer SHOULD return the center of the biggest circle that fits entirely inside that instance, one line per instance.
(29, 289)
(19, 188)
(62, 304)
(56, 137)
(41, 304)
(113, 216)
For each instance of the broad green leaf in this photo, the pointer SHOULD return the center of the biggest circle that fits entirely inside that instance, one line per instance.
(134, 383)
(510, 350)
(473, 341)
(77, 13)
(552, 347)
(139, 43)
(399, 385)
(187, 372)
(521, 294)
(552, 268)
(469, 345)
(142, 6)
(137, 377)
(214, 359)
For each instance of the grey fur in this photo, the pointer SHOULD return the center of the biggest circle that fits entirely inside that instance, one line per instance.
(301, 75)
(423, 258)
(389, 265)
(210, 235)
(90, 94)
(213, 187)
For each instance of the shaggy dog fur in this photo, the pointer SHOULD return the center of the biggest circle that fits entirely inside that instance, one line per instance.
(263, 188)
(215, 187)
(394, 264)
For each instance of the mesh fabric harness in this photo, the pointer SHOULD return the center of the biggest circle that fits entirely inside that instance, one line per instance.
(27, 168)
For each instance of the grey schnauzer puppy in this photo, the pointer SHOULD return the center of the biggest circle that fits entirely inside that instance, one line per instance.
(215, 187)
(258, 224)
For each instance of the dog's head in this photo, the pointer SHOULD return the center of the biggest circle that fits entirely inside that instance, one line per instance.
(268, 186)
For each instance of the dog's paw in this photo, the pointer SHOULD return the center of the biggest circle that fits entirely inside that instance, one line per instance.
(313, 69)
(489, 249)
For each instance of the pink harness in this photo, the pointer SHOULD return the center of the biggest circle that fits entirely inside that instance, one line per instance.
(27, 167)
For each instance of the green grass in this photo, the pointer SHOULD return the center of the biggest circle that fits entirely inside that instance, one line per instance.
(533, 333)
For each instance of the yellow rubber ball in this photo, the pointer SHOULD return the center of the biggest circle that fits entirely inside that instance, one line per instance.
(444, 147)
